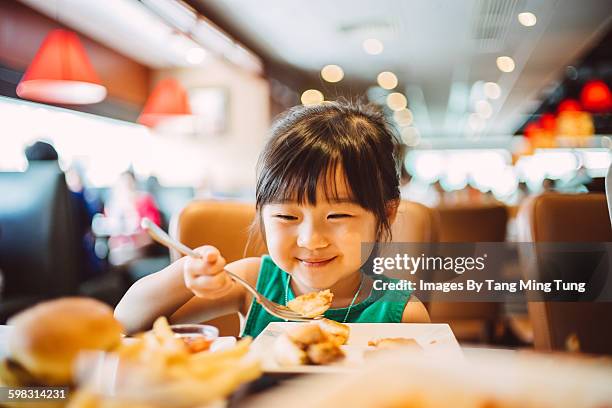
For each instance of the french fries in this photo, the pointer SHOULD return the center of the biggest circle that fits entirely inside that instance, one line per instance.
(159, 371)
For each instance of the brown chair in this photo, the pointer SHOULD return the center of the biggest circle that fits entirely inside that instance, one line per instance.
(553, 217)
(225, 225)
(483, 223)
(415, 223)
(470, 321)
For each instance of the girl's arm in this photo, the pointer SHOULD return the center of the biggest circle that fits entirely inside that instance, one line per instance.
(165, 293)
(415, 312)
(238, 300)
(158, 294)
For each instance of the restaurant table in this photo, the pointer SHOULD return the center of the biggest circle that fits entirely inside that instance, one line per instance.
(269, 381)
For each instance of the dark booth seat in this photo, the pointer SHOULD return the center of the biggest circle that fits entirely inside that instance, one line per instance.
(40, 254)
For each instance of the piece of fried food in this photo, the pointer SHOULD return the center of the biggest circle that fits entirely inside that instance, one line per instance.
(306, 334)
(324, 353)
(312, 304)
(288, 353)
(312, 343)
(390, 343)
(338, 332)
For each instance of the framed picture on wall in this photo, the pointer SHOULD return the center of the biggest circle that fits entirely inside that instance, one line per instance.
(210, 107)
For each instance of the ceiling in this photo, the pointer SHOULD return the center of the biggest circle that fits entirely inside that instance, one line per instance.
(437, 48)
(118, 24)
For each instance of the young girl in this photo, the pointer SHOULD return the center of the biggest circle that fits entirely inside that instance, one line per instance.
(327, 182)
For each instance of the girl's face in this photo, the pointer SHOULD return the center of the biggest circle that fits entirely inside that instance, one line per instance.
(318, 245)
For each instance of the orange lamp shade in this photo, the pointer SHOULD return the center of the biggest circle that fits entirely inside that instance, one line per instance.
(61, 73)
(596, 97)
(532, 129)
(167, 100)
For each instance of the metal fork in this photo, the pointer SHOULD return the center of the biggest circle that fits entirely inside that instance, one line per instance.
(275, 309)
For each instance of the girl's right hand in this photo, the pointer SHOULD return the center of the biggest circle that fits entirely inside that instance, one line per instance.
(204, 276)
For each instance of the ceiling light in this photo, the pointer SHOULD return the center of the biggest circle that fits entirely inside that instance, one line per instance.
(403, 117)
(527, 19)
(387, 80)
(196, 55)
(312, 96)
(484, 109)
(373, 46)
(168, 100)
(332, 73)
(505, 64)
(396, 101)
(492, 90)
(61, 73)
(411, 136)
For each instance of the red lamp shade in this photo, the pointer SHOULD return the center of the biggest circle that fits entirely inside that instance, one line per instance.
(61, 73)
(548, 122)
(168, 99)
(596, 97)
(569, 105)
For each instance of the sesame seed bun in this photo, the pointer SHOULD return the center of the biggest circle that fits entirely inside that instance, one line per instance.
(47, 337)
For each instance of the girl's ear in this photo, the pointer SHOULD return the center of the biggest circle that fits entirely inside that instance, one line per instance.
(392, 206)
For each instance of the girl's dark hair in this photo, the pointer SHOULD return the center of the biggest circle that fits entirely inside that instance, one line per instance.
(308, 143)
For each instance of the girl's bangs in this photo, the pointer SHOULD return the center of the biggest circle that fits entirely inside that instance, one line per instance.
(299, 179)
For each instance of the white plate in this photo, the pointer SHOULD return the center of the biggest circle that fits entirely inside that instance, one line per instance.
(436, 339)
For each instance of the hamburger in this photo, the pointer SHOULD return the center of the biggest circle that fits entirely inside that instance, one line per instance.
(47, 338)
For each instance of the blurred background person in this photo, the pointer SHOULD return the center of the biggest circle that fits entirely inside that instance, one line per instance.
(81, 209)
(125, 208)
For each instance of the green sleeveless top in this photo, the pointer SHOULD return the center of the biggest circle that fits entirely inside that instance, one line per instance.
(379, 307)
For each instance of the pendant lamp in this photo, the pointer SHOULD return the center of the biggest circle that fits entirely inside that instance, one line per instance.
(61, 73)
(168, 100)
(596, 96)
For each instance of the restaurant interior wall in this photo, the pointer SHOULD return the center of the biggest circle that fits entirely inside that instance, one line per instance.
(224, 161)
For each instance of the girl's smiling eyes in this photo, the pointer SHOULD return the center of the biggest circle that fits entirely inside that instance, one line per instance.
(334, 216)
(289, 212)
(285, 217)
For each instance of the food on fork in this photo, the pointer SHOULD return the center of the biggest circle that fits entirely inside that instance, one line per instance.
(390, 343)
(312, 304)
(312, 343)
(47, 338)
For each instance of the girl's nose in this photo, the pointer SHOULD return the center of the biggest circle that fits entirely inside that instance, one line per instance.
(311, 238)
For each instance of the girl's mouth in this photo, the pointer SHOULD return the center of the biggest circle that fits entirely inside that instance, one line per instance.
(316, 263)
